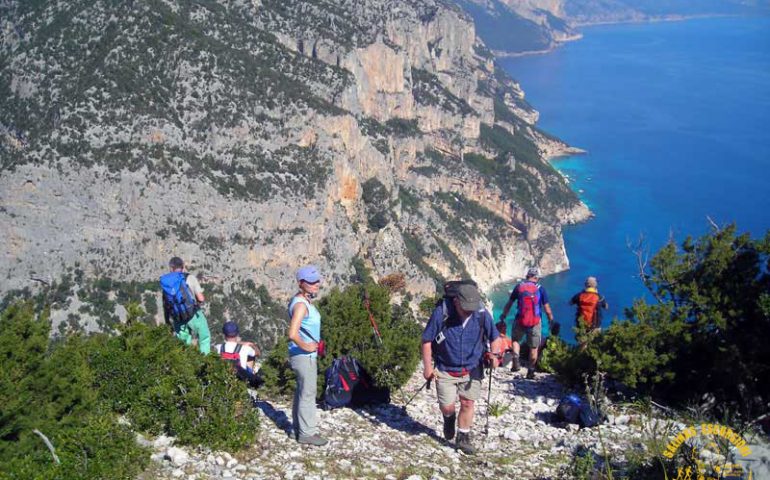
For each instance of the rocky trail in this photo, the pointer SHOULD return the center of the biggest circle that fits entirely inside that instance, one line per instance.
(385, 443)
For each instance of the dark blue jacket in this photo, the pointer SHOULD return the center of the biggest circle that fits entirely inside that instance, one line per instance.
(462, 347)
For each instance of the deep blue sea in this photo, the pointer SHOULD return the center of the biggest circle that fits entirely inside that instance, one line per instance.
(676, 120)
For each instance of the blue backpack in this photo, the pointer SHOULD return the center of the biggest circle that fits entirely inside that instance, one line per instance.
(573, 409)
(178, 300)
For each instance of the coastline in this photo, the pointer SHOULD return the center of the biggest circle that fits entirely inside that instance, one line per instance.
(599, 23)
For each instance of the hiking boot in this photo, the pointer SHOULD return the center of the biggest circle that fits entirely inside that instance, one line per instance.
(315, 440)
(530, 373)
(464, 443)
(449, 426)
(515, 364)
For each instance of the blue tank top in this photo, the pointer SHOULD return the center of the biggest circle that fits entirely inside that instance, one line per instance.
(311, 323)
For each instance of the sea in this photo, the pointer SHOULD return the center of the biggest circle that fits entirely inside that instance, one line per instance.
(675, 117)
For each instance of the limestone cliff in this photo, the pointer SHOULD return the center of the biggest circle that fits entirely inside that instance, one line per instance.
(253, 137)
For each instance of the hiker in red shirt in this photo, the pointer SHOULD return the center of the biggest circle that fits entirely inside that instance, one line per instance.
(588, 315)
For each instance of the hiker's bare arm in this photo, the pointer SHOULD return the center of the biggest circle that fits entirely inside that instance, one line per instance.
(300, 310)
(497, 351)
(199, 296)
(496, 347)
(257, 353)
(427, 360)
(549, 312)
(506, 309)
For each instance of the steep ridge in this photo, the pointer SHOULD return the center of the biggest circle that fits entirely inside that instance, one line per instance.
(252, 137)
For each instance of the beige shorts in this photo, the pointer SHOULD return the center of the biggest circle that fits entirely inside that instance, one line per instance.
(449, 387)
(533, 334)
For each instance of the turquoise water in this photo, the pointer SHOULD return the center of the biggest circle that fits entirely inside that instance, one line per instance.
(675, 119)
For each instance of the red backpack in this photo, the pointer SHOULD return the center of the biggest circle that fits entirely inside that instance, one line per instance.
(529, 304)
(234, 357)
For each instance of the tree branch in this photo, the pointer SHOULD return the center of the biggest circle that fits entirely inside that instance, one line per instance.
(47, 444)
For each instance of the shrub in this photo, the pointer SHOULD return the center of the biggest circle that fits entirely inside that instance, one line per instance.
(346, 329)
(163, 386)
(394, 282)
(52, 392)
(73, 390)
(703, 334)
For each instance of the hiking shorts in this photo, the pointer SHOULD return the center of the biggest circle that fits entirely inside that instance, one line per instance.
(533, 334)
(449, 387)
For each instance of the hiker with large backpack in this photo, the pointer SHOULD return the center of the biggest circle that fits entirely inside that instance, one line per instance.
(304, 341)
(241, 354)
(588, 313)
(182, 300)
(532, 300)
(456, 338)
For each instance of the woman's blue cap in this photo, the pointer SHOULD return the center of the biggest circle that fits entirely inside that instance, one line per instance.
(308, 273)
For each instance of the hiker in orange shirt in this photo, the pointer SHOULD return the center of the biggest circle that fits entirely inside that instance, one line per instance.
(506, 344)
(588, 315)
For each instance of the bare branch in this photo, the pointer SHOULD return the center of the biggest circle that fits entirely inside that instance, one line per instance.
(713, 224)
(35, 279)
(47, 444)
(641, 251)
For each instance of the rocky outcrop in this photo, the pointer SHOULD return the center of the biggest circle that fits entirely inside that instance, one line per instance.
(253, 138)
(523, 440)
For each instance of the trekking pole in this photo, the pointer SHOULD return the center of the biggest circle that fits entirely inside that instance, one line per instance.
(377, 335)
(489, 395)
(425, 385)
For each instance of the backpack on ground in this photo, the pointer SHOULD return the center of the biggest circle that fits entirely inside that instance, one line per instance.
(347, 383)
(569, 409)
(588, 308)
(529, 304)
(573, 409)
(178, 300)
(367, 393)
(341, 378)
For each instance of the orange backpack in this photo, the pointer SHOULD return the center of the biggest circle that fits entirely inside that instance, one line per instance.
(587, 308)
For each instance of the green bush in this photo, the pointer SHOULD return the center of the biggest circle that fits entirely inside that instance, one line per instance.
(163, 386)
(705, 332)
(346, 329)
(53, 392)
(73, 391)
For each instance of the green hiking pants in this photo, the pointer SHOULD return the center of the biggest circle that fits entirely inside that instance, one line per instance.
(197, 326)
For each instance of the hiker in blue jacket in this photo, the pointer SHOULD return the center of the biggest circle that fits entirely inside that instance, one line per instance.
(456, 338)
(304, 336)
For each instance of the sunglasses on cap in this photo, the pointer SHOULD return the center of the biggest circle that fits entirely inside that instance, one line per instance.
(312, 283)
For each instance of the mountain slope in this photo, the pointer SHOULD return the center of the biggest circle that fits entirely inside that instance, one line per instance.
(252, 137)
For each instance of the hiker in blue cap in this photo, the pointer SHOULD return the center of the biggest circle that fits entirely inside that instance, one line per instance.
(241, 354)
(304, 336)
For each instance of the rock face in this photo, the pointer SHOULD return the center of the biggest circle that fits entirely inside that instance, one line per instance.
(252, 137)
